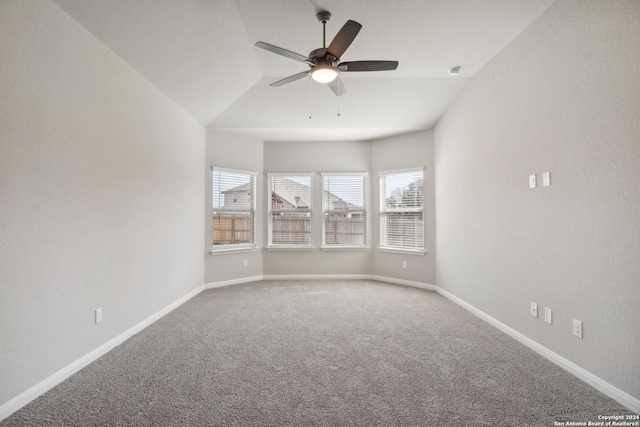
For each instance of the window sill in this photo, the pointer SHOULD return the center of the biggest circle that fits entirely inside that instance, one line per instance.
(239, 250)
(290, 248)
(419, 252)
(344, 248)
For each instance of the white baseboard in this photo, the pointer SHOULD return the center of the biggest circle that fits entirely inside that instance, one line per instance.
(420, 285)
(349, 277)
(596, 382)
(47, 384)
(404, 282)
(223, 283)
(317, 277)
(322, 277)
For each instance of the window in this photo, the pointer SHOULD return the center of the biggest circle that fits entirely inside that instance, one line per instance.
(401, 210)
(344, 210)
(290, 210)
(234, 201)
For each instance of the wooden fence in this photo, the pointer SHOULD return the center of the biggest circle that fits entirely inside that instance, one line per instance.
(290, 228)
(342, 230)
(231, 228)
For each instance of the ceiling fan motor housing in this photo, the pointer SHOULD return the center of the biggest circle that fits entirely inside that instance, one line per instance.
(320, 56)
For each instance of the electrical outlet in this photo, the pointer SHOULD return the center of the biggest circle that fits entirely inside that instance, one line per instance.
(577, 328)
(534, 309)
(245, 263)
(532, 180)
(547, 315)
(98, 315)
(404, 264)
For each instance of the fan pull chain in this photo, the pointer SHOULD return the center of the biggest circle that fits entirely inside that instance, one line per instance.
(309, 97)
(339, 81)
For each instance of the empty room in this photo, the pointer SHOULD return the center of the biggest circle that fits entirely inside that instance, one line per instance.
(307, 212)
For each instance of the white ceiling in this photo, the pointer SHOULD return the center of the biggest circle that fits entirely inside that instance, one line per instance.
(201, 54)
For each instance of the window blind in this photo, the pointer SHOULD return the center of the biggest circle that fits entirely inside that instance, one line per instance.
(290, 210)
(233, 208)
(402, 209)
(344, 210)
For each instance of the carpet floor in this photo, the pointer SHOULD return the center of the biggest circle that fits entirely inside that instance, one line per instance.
(319, 353)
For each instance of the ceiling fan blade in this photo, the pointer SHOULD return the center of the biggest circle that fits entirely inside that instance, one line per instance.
(290, 79)
(337, 86)
(283, 52)
(344, 38)
(368, 66)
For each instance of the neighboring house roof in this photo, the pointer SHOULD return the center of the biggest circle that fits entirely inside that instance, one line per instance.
(244, 188)
(293, 194)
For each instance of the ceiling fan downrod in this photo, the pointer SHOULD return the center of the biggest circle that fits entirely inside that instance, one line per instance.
(324, 17)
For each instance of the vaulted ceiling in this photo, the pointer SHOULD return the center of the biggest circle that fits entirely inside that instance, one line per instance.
(201, 54)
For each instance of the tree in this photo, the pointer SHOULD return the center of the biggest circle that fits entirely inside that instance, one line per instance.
(395, 198)
(412, 195)
(407, 197)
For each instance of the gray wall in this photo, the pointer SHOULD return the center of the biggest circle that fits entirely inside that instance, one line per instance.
(101, 193)
(237, 152)
(315, 158)
(231, 151)
(401, 152)
(563, 97)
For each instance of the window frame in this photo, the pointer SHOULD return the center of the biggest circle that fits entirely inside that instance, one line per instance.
(270, 212)
(252, 198)
(364, 211)
(383, 211)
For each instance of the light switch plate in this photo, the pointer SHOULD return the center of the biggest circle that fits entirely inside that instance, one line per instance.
(532, 180)
(534, 309)
(547, 315)
(546, 179)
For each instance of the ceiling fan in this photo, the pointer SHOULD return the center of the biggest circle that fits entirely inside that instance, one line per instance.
(324, 62)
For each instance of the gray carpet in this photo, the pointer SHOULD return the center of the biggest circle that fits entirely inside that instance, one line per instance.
(318, 353)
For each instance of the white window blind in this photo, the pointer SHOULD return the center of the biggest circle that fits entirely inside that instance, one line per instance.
(234, 195)
(402, 209)
(344, 210)
(290, 210)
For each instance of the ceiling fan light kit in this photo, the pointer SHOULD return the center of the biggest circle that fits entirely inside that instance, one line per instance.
(324, 73)
(324, 63)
